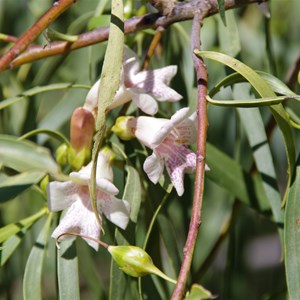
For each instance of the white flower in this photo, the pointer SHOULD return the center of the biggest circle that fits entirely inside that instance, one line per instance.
(75, 196)
(143, 88)
(168, 139)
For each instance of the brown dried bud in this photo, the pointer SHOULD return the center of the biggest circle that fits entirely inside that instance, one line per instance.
(82, 129)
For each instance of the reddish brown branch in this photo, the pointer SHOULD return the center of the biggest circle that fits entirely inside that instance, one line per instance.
(181, 12)
(201, 74)
(32, 33)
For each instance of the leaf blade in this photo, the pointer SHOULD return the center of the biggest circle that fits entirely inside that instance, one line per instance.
(33, 271)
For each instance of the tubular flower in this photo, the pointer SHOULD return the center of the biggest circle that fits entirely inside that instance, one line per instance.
(75, 196)
(169, 140)
(143, 88)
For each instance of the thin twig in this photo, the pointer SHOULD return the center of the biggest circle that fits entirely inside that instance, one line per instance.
(32, 33)
(291, 77)
(181, 12)
(154, 43)
(201, 74)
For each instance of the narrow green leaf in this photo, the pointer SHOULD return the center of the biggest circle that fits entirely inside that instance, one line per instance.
(40, 89)
(265, 91)
(25, 156)
(110, 76)
(11, 186)
(257, 136)
(222, 11)
(275, 84)
(67, 271)
(109, 83)
(32, 281)
(133, 192)
(251, 102)
(10, 245)
(11, 229)
(292, 237)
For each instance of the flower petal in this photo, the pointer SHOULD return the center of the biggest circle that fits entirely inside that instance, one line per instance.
(61, 195)
(164, 131)
(145, 102)
(81, 219)
(91, 100)
(115, 210)
(107, 186)
(122, 96)
(145, 128)
(131, 62)
(153, 166)
(155, 82)
(179, 159)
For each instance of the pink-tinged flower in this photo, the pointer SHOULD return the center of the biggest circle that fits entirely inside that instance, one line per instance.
(169, 140)
(143, 88)
(75, 196)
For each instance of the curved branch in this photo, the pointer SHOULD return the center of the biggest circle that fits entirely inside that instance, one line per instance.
(182, 11)
(34, 31)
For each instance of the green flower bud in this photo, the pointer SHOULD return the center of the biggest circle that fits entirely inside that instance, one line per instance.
(77, 159)
(61, 154)
(121, 128)
(135, 262)
(44, 182)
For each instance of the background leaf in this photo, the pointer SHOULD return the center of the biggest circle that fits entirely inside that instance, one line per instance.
(13, 152)
(67, 270)
(11, 186)
(292, 237)
(11, 229)
(32, 281)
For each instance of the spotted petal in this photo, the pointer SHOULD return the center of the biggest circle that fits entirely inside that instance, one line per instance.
(154, 166)
(178, 159)
(165, 130)
(81, 219)
(155, 82)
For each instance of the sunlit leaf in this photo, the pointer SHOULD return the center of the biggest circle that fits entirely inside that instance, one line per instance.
(25, 156)
(67, 270)
(275, 84)
(32, 280)
(109, 83)
(251, 102)
(11, 229)
(292, 237)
